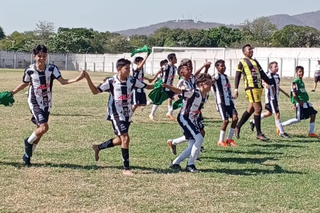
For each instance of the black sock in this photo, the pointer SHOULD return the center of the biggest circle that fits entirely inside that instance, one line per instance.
(107, 144)
(257, 123)
(125, 157)
(246, 115)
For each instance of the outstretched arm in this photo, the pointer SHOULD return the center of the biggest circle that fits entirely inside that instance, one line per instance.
(284, 92)
(92, 87)
(19, 88)
(155, 76)
(173, 89)
(70, 81)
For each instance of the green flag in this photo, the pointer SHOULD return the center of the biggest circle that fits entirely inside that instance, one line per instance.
(177, 104)
(143, 49)
(158, 95)
(6, 98)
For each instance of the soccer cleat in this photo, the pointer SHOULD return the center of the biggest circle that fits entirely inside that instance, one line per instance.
(192, 169)
(26, 160)
(173, 148)
(170, 117)
(151, 117)
(313, 90)
(231, 142)
(28, 147)
(252, 125)
(201, 149)
(237, 132)
(222, 143)
(174, 166)
(96, 151)
(312, 135)
(278, 131)
(262, 137)
(284, 135)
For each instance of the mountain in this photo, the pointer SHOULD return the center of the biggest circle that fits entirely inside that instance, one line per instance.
(311, 19)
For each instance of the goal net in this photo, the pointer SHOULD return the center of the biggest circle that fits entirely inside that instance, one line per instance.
(198, 56)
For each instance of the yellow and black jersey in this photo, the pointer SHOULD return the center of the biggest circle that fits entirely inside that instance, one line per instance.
(252, 71)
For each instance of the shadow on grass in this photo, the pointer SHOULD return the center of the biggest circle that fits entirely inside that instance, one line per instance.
(255, 152)
(146, 170)
(252, 172)
(68, 115)
(239, 160)
(275, 145)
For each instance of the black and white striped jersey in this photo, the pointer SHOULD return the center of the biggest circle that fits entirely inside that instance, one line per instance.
(183, 84)
(270, 95)
(139, 74)
(40, 90)
(221, 90)
(168, 75)
(193, 104)
(120, 105)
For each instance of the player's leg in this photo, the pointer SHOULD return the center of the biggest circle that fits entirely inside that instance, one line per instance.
(263, 115)
(170, 109)
(257, 120)
(312, 112)
(316, 79)
(299, 115)
(225, 120)
(245, 116)
(172, 143)
(230, 140)
(194, 152)
(125, 140)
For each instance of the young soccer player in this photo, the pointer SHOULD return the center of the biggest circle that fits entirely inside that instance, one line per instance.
(189, 121)
(221, 89)
(316, 76)
(120, 87)
(163, 65)
(271, 100)
(300, 98)
(168, 75)
(139, 96)
(39, 77)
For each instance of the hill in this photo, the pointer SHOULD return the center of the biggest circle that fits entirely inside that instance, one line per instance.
(311, 19)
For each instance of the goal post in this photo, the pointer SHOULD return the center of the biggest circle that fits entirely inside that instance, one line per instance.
(198, 56)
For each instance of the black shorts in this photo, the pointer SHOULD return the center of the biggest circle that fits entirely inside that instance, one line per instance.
(316, 78)
(272, 107)
(189, 128)
(170, 94)
(120, 127)
(39, 116)
(227, 112)
(139, 98)
(305, 113)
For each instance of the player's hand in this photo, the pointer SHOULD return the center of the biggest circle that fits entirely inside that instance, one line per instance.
(207, 64)
(81, 76)
(235, 94)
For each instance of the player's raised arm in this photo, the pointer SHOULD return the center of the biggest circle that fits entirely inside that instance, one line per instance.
(206, 66)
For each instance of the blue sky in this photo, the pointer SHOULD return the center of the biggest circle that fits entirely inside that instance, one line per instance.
(109, 15)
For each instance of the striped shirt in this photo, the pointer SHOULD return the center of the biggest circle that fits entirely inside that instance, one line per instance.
(139, 74)
(222, 90)
(270, 95)
(251, 70)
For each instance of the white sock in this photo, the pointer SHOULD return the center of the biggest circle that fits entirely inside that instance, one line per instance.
(279, 126)
(222, 133)
(290, 122)
(170, 109)
(230, 134)
(180, 140)
(251, 121)
(262, 116)
(34, 146)
(186, 153)
(311, 127)
(32, 138)
(149, 102)
(154, 109)
(195, 151)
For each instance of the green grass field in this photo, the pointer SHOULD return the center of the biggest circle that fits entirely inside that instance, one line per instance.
(277, 176)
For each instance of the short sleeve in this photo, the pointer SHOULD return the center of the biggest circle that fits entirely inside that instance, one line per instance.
(56, 72)
(105, 86)
(216, 76)
(187, 93)
(140, 84)
(26, 76)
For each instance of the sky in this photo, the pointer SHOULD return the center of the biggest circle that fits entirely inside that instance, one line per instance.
(115, 15)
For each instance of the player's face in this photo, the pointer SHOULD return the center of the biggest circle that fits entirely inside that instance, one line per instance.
(207, 85)
(248, 52)
(40, 58)
(274, 68)
(300, 73)
(125, 71)
(190, 67)
(221, 68)
(174, 60)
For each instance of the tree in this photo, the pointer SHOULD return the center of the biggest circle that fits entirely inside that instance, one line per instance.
(15, 42)
(2, 35)
(259, 30)
(224, 36)
(43, 31)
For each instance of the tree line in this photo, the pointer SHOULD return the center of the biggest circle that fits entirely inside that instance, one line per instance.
(259, 32)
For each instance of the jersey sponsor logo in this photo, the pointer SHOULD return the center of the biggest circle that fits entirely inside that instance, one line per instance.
(124, 97)
(44, 86)
(302, 90)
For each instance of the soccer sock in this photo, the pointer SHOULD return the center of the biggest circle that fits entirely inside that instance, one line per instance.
(262, 116)
(222, 133)
(170, 109)
(107, 144)
(290, 122)
(251, 121)
(180, 140)
(231, 132)
(125, 158)
(186, 153)
(32, 138)
(279, 126)
(195, 149)
(246, 115)
(149, 102)
(257, 122)
(154, 109)
(311, 127)
(34, 146)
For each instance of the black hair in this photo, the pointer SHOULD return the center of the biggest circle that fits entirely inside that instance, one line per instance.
(138, 59)
(202, 77)
(122, 62)
(171, 56)
(39, 49)
(272, 63)
(245, 46)
(163, 62)
(220, 61)
(299, 68)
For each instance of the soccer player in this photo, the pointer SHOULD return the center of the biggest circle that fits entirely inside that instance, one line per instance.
(253, 75)
(139, 96)
(168, 75)
(300, 98)
(271, 100)
(316, 76)
(39, 77)
(120, 87)
(221, 89)
(188, 120)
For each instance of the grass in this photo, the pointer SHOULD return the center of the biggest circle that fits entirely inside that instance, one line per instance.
(278, 176)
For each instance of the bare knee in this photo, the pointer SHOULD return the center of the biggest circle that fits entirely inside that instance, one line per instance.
(43, 128)
(125, 140)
